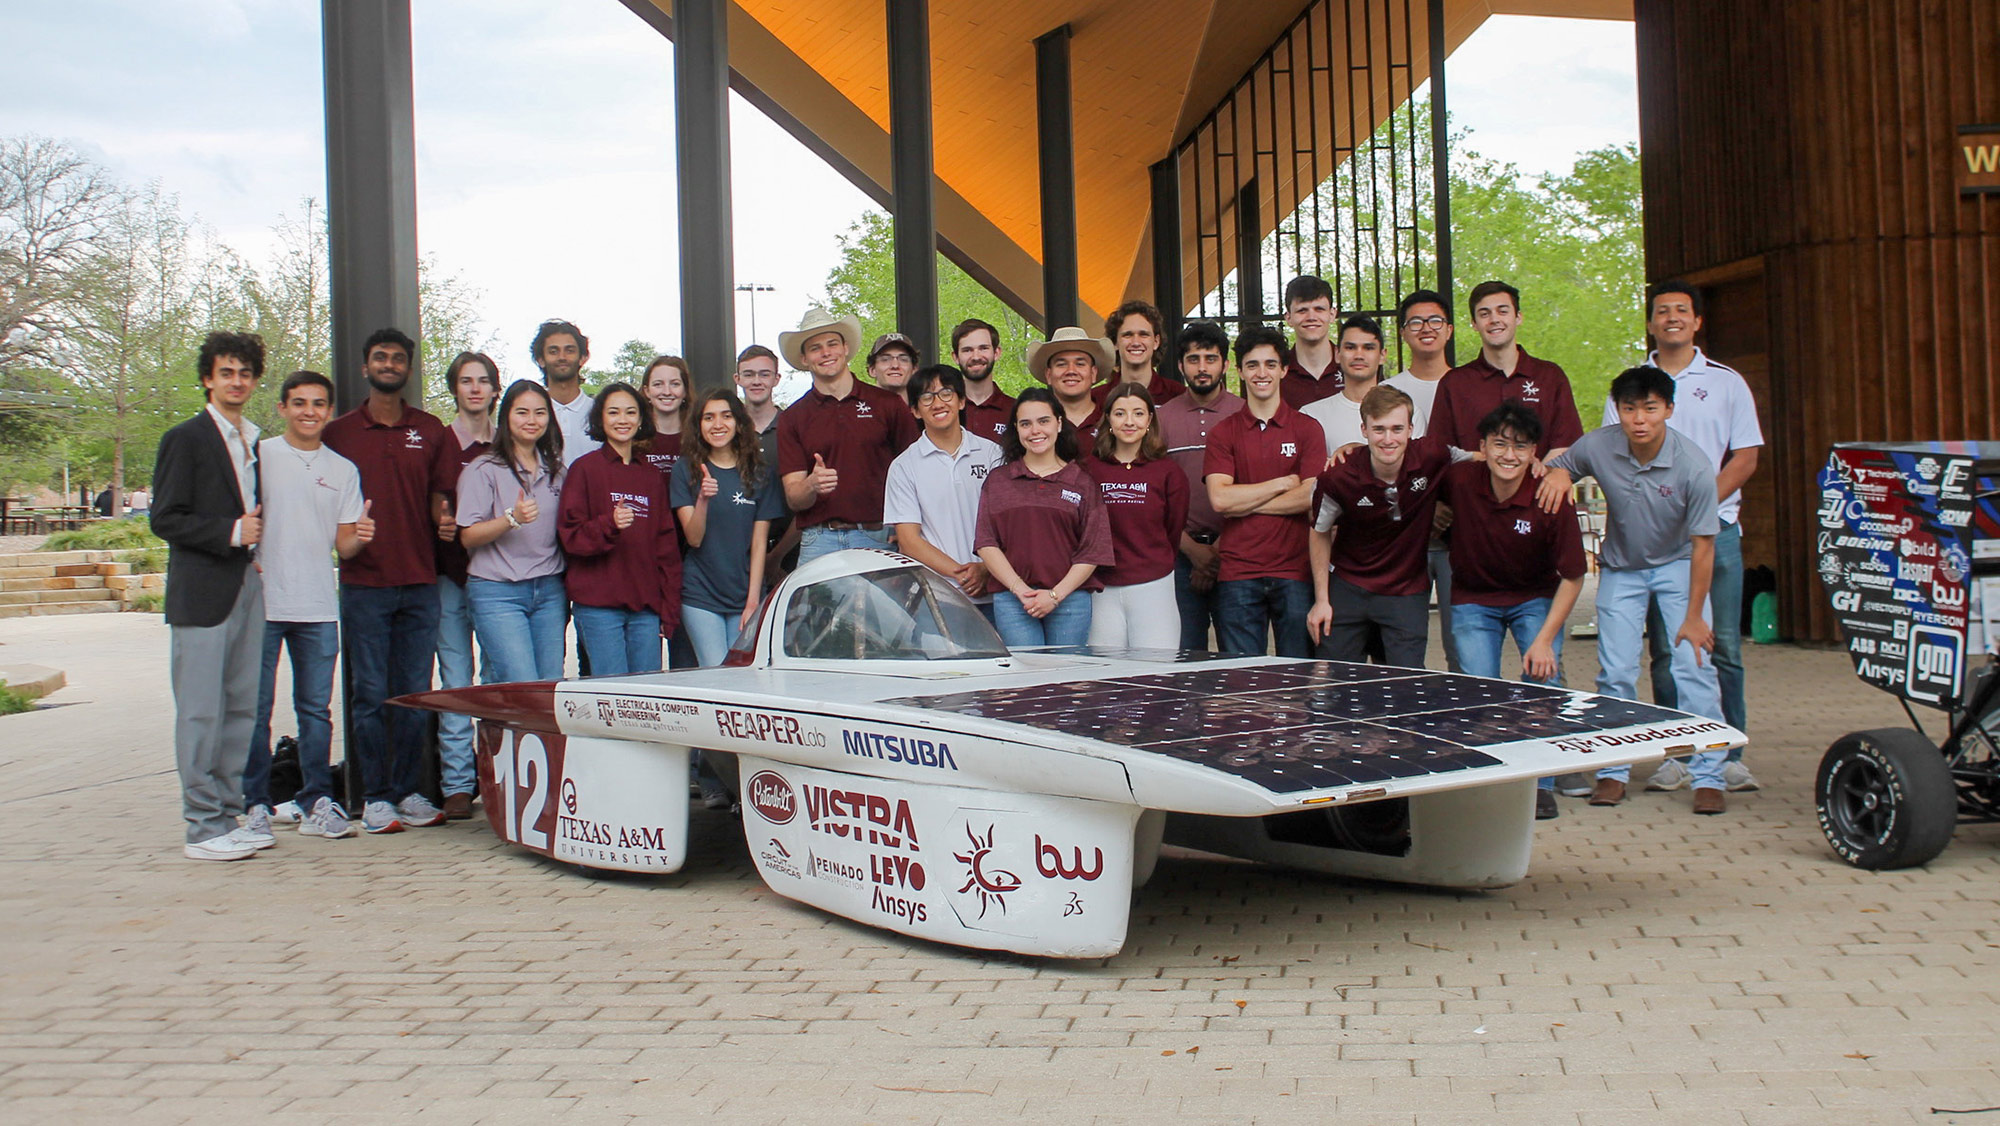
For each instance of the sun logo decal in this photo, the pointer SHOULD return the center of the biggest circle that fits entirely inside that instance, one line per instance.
(993, 886)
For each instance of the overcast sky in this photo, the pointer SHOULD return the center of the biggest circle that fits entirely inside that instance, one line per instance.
(545, 140)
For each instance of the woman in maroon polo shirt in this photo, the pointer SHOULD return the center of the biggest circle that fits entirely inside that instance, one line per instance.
(1042, 531)
(666, 389)
(624, 553)
(1145, 496)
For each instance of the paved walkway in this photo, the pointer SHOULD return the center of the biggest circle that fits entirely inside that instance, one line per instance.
(1654, 967)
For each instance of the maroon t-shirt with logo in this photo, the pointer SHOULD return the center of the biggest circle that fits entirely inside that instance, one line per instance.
(858, 435)
(1249, 450)
(400, 466)
(1160, 386)
(1300, 390)
(1147, 503)
(1469, 392)
(635, 568)
(1506, 552)
(451, 555)
(1383, 532)
(1044, 525)
(663, 452)
(992, 418)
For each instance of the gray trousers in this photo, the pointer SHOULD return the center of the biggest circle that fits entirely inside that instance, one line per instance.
(215, 670)
(1404, 622)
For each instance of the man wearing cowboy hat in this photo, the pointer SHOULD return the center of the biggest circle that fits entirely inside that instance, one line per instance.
(1069, 362)
(836, 442)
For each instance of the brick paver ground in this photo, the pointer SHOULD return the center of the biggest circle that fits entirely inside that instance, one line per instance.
(1653, 967)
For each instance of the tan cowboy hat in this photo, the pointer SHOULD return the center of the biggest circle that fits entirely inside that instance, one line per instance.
(1070, 339)
(816, 321)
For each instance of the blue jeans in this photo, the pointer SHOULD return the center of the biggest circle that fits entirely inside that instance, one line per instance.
(1725, 601)
(820, 540)
(520, 626)
(1246, 608)
(1622, 598)
(1198, 611)
(621, 641)
(710, 633)
(1067, 624)
(1481, 633)
(315, 646)
(390, 637)
(454, 670)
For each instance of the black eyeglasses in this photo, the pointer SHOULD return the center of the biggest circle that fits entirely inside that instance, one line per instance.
(1432, 321)
(941, 395)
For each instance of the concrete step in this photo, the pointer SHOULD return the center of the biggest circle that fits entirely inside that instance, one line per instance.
(43, 597)
(55, 558)
(34, 573)
(48, 609)
(55, 582)
(32, 681)
(129, 584)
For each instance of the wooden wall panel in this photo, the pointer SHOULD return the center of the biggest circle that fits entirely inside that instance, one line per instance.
(1817, 138)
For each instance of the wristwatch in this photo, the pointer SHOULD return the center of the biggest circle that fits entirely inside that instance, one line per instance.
(511, 522)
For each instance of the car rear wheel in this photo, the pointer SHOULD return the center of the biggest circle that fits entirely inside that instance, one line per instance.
(1885, 799)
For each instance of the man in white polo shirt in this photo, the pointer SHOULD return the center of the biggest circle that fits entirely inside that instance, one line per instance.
(561, 349)
(932, 497)
(1714, 409)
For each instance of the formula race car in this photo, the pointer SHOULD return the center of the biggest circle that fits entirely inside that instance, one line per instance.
(1909, 554)
(900, 767)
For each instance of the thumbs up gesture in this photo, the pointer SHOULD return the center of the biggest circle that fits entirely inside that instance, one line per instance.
(621, 515)
(824, 480)
(447, 523)
(364, 528)
(708, 485)
(252, 526)
(525, 509)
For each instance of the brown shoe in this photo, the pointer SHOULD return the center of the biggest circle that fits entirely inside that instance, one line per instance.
(1609, 791)
(458, 807)
(1709, 801)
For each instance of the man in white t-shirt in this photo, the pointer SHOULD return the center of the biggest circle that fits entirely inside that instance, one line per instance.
(1424, 320)
(313, 509)
(1713, 409)
(1359, 358)
(932, 494)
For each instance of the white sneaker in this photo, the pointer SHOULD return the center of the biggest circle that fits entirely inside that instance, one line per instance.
(418, 812)
(287, 813)
(327, 820)
(228, 846)
(1578, 785)
(1672, 775)
(1736, 776)
(256, 828)
(380, 817)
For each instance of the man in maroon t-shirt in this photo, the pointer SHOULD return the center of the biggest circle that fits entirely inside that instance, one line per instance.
(1371, 514)
(388, 591)
(1259, 469)
(835, 444)
(1503, 370)
(1314, 371)
(975, 345)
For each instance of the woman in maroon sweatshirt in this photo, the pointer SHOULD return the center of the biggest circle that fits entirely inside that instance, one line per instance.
(624, 572)
(1146, 496)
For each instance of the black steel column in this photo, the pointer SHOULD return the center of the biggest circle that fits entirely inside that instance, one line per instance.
(915, 210)
(1166, 180)
(701, 142)
(1441, 169)
(1056, 146)
(1249, 259)
(371, 183)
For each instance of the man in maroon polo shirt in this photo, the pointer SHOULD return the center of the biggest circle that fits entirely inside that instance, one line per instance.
(388, 590)
(1259, 470)
(835, 444)
(1503, 370)
(975, 345)
(1185, 424)
(1516, 568)
(1371, 514)
(1069, 362)
(1314, 372)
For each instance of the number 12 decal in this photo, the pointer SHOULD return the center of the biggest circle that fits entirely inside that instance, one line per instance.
(521, 775)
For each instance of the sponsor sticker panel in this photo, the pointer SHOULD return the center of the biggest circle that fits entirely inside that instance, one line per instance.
(1024, 872)
(599, 803)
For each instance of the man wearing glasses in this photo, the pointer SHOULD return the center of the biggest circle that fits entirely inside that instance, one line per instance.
(932, 497)
(1424, 321)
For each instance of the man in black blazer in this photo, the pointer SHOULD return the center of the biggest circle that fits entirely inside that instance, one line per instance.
(205, 506)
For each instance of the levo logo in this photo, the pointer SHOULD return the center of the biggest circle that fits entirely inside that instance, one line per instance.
(771, 796)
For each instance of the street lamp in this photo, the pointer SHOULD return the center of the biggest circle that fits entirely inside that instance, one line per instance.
(753, 289)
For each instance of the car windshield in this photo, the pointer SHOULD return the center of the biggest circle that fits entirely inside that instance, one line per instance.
(911, 614)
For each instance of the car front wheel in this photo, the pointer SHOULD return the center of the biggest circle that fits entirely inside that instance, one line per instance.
(1885, 799)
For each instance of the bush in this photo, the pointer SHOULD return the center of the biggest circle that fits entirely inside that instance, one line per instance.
(147, 602)
(146, 560)
(105, 535)
(13, 701)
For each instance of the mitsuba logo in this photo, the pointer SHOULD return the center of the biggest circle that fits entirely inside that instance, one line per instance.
(1049, 862)
(772, 797)
(897, 748)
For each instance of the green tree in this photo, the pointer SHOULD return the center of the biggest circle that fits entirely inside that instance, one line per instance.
(449, 320)
(864, 284)
(628, 364)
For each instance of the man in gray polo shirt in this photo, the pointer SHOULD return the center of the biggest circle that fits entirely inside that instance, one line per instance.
(932, 498)
(1659, 494)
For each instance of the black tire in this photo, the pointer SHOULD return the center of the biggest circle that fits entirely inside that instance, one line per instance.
(1886, 799)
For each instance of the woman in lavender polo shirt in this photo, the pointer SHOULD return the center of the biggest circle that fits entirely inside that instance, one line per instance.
(507, 506)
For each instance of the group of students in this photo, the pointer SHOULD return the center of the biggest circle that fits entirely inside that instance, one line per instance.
(1124, 503)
